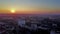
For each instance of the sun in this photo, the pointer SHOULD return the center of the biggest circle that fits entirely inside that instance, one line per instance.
(12, 11)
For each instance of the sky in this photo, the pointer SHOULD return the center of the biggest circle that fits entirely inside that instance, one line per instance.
(30, 6)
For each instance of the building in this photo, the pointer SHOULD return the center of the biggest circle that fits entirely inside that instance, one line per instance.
(21, 22)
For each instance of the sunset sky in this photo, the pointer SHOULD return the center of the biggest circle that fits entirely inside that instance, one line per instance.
(30, 6)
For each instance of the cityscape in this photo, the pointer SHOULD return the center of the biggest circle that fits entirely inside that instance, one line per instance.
(29, 16)
(29, 24)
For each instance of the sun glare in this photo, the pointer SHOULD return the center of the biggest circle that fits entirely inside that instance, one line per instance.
(12, 11)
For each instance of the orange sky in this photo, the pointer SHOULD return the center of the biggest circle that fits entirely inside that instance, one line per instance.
(30, 6)
(30, 12)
